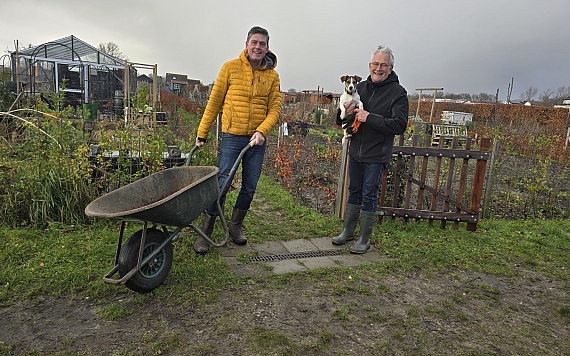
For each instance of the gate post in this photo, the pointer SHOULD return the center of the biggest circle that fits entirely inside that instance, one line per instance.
(490, 180)
(342, 188)
(478, 181)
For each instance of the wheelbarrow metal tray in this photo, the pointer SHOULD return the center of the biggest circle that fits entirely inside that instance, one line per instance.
(171, 197)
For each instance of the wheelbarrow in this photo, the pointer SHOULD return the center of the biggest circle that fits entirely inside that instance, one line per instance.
(173, 197)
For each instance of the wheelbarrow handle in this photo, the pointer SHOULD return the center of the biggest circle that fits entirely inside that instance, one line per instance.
(224, 187)
(191, 154)
(230, 177)
(189, 159)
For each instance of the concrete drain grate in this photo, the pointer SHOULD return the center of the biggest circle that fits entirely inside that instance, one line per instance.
(294, 256)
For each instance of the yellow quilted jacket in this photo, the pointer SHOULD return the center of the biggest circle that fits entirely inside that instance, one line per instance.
(251, 100)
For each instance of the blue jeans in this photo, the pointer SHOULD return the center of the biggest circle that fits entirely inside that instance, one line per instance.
(252, 162)
(364, 179)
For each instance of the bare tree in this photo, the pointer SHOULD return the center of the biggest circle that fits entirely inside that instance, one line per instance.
(112, 49)
(485, 97)
(561, 94)
(529, 94)
(546, 95)
(413, 97)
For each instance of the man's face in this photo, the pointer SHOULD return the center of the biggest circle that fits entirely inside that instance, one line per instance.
(257, 47)
(380, 67)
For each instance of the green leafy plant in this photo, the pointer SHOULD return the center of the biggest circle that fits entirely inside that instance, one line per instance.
(48, 175)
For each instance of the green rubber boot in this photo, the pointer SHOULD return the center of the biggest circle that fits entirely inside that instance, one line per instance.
(351, 216)
(366, 225)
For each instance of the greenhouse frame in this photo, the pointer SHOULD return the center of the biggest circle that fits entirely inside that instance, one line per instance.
(91, 75)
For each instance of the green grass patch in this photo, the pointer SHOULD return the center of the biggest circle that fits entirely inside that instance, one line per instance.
(264, 340)
(114, 312)
(564, 312)
(342, 313)
(54, 261)
(496, 247)
(65, 260)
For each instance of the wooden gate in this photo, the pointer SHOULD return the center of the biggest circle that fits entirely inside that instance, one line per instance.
(446, 202)
(445, 195)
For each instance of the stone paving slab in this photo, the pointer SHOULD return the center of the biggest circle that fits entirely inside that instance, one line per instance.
(269, 248)
(318, 262)
(231, 251)
(299, 245)
(325, 244)
(353, 260)
(287, 266)
(232, 261)
(347, 260)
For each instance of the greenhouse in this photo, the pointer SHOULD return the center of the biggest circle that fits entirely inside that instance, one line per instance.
(91, 76)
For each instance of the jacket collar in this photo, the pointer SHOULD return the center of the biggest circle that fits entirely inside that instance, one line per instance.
(268, 62)
(393, 77)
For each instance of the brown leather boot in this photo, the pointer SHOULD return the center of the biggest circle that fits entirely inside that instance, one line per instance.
(236, 226)
(201, 246)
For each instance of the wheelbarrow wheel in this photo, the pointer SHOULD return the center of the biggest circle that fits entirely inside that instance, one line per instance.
(152, 274)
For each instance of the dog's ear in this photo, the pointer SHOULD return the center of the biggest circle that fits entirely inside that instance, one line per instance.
(357, 78)
(343, 78)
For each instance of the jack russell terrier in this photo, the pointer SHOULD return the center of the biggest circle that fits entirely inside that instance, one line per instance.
(349, 94)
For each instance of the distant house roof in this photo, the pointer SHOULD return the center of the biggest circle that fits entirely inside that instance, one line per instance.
(70, 49)
(176, 78)
(537, 103)
(456, 101)
(203, 88)
(144, 78)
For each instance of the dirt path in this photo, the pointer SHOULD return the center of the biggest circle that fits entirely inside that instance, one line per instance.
(456, 313)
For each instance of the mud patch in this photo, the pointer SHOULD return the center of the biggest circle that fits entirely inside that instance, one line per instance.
(454, 313)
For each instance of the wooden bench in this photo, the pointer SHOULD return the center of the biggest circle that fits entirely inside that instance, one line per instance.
(448, 131)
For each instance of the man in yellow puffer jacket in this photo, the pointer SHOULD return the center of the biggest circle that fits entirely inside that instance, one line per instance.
(248, 90)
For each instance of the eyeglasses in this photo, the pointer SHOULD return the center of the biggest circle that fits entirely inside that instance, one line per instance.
(382, 65)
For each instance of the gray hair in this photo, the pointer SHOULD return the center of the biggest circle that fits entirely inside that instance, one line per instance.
(256, 29)
(385, 50)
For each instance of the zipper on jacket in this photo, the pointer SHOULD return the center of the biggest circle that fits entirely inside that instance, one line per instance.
(360, 144)
(251, 103)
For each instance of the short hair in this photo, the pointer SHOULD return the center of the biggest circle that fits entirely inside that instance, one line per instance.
(260, 30)
(385, 50)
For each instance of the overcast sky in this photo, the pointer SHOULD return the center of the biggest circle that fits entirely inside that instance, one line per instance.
(462, 46)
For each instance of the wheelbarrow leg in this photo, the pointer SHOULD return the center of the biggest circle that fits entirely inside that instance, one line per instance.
(107, 278)
(120, 242)
(141, 248)
(140, 261)
(224, 225)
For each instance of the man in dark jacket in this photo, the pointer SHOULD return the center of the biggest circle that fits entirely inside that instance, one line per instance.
(385, 115)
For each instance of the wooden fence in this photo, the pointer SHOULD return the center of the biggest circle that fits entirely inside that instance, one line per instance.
(426, 193)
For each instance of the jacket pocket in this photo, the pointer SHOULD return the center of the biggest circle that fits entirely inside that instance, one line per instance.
(261, 87)
(229, 113)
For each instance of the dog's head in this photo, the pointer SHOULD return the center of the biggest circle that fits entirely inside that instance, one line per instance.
(350, 82)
